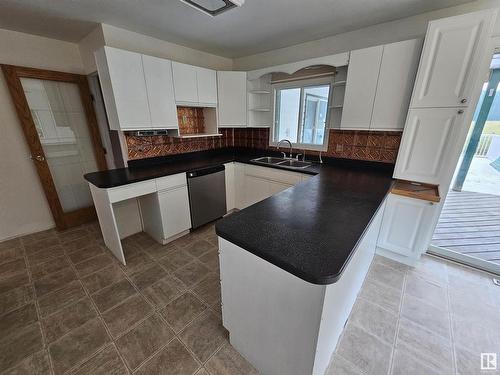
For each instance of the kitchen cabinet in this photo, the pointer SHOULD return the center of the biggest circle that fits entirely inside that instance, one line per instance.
(121, 75)
(379, 85)
(160, 91)
(361, 86)
(404, 231)
(207, 87)
(450, 59)
(174, 205)
(395, 83)
(230, 186)
(424, 153)
(232, 99)
(194, 86)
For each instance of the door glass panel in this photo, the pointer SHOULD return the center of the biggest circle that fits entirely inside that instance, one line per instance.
(287, 114)
(59, 117)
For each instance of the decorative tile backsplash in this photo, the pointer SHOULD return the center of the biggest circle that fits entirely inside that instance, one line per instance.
(191, 120)
(347, 144)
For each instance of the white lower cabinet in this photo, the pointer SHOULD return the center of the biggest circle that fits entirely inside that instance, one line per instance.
(256, 190)
(174, 206)
(404, 232)
(230, 187)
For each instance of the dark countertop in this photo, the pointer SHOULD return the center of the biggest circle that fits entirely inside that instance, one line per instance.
(309, 230)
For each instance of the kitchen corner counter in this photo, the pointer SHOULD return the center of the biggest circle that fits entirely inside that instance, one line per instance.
(311, 230)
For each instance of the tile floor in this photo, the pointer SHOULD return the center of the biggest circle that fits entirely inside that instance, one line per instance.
(67, 306)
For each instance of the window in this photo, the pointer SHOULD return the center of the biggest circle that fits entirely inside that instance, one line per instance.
(300, 113)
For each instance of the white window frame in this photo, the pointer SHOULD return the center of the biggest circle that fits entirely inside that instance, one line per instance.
(303, 83)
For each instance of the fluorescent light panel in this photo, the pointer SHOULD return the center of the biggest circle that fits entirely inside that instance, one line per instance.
(213, 7)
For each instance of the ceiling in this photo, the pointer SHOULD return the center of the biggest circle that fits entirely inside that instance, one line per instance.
(258, 26)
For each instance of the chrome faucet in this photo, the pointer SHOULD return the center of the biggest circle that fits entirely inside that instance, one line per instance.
(278, 147)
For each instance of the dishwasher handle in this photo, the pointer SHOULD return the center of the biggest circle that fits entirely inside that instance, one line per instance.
(205, 171)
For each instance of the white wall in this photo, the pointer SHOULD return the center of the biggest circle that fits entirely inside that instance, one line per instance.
(23, 207)
(405, 28)
(88, 45)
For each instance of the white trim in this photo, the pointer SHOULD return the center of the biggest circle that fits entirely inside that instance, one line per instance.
(467, 260)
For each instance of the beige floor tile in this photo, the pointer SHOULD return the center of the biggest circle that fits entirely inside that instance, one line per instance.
(157, 250)
(193, 273)
(9, 244)
(60, 298)
(36, 364)
(125, 315)
(341, 366)
(209, 289)
(469, 362)
(72, 234)
(93, 264)
(375, 320)
(199, 247)
(19, 346)
(9, 254)
(144, 240)
(228, 361)
(382, 295)
(204, 336)
(404, 363)
(426, 346)
(79, 244)
(420, 312)
(77, 346)
(113, 294)
(386, 275)
(136, 262)
(16, 320)
(45, 255)
(432, 269)
(34, 237)
(106, 362)
(210, 259)
(41, 245)
(67, 319)
(378, 259)
(86, 253)
(182, 310)
(54, 265)
(103, 278)
(475, 335)
(54, 281)
(164, 291)
(174, 359)
(148, 276)
(141, 342)
(15, 298)
(432, 293)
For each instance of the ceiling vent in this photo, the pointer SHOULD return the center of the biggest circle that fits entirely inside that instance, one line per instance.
(214, 7)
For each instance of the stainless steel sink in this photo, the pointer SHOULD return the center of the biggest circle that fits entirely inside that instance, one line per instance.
(268, 160)
(289, 163)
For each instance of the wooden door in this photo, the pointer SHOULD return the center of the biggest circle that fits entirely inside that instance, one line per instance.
(429, 136)
(361, 86)
(58, 120)
(451, 54)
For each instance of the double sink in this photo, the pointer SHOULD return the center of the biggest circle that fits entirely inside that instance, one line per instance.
(282, 162)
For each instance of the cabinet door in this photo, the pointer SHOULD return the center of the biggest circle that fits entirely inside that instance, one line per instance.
(207, 86)
(185, 83)
(275, 187)
(232, 98)
(255, 190)
(124, 89)
(395, 84)
(362, 75)
(429, 135)
(176, 216)
(452, 52)
(230, 187)
(403, 224)
(160, 89)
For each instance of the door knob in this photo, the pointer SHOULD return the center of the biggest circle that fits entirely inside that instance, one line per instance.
(463, 101)
(38, 158)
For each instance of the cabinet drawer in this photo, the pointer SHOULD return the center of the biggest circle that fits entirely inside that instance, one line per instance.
(169, 182)
(273, 174)
(137, 189)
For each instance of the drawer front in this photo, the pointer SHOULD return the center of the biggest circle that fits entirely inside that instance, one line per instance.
(291, 178)
(169, 182)
(137, 189)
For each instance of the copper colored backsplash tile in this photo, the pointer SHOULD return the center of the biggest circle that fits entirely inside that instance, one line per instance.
(349, 144)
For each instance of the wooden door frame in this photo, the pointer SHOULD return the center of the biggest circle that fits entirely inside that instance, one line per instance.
(13, 75)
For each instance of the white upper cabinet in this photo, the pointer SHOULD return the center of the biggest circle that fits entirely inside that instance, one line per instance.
(452, 52)
(232, 98)
(429, 135)
(362, 76)
(207, 86)
(124, 90)
(194, 86)
(185, 83)
(160, 89)
(395, 83)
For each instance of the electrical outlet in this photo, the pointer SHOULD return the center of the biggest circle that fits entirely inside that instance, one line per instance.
(339, 148)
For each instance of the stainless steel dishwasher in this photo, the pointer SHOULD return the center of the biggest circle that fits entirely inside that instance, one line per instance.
(207, 194)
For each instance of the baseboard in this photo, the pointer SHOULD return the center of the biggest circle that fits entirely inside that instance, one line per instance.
(397, 257)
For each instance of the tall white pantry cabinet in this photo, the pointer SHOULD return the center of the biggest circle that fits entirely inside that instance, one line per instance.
(448, 69)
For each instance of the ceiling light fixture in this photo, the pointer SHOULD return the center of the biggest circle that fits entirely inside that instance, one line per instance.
(213, 7)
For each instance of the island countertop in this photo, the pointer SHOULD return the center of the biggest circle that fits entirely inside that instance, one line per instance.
(309, 230)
